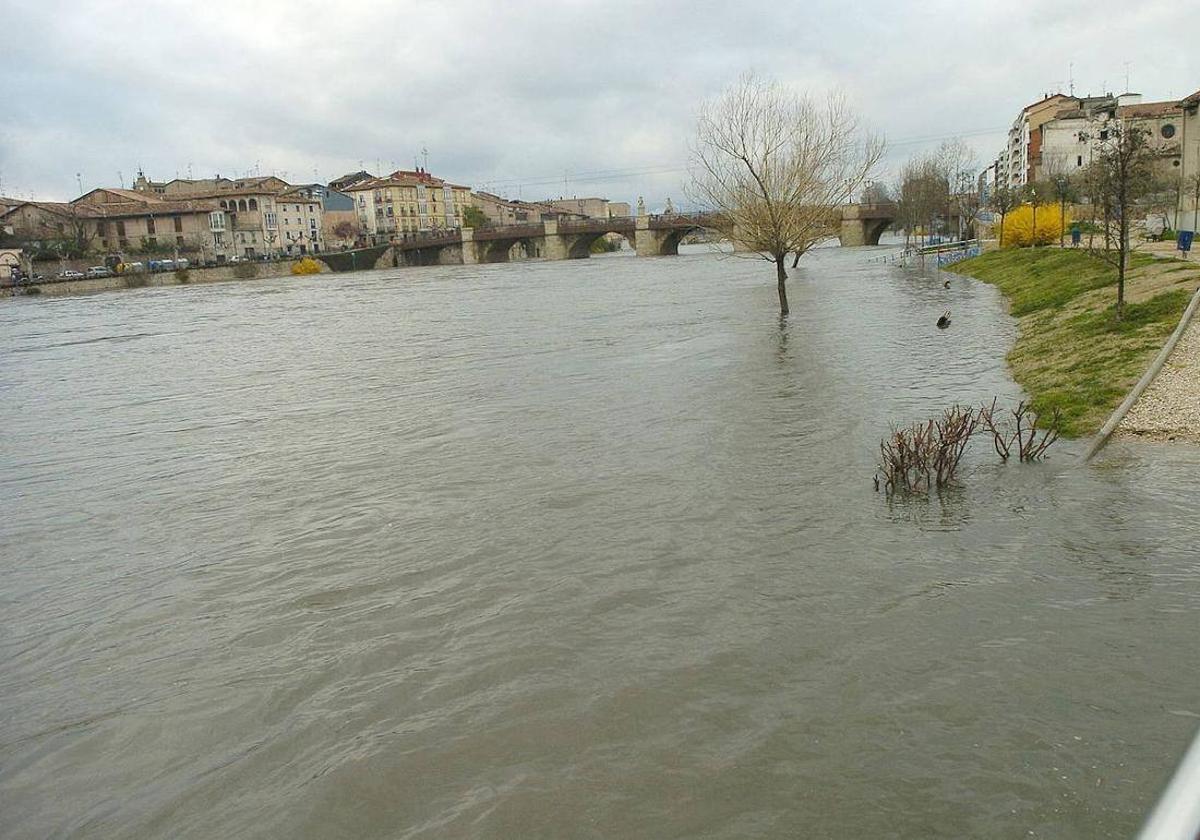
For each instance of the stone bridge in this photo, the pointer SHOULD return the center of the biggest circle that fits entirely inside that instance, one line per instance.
(563, 239)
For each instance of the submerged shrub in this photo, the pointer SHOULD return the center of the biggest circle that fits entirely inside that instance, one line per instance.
(925, 456)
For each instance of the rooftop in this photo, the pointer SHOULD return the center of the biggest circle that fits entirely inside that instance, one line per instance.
(1149, 109)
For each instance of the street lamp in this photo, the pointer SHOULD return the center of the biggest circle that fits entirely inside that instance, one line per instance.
(1033, 196)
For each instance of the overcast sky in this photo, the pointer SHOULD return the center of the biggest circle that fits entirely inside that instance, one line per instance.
(534, 99)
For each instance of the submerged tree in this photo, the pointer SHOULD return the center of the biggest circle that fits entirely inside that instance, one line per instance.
(776, 166)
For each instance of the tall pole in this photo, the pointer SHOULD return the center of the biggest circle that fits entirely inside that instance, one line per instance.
(1033, 240)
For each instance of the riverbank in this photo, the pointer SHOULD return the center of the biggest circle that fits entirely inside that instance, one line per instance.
(1072, 354)
(1170, 407)
(219, 274)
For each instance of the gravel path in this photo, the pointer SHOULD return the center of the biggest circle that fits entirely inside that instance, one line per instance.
(1170, 407)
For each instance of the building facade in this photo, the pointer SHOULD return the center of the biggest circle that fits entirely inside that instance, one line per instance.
(407, 203)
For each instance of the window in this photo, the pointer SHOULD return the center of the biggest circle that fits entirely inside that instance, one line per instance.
(253, 204)
(216, 220)
(179, 240)
(102, 229)
(150, 225)
(152, 241)
(121, 229)
(1079, 160)
(1104, 134)
(178, 224)
(1167, 131)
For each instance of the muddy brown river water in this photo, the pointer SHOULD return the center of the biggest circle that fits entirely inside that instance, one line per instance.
(576, 549)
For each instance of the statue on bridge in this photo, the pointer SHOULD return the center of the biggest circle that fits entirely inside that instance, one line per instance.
(670, 211)
(641, 206)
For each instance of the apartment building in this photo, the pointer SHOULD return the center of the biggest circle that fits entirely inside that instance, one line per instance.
(407, 202)
(506, 211)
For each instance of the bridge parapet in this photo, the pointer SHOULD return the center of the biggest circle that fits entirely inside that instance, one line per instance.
(522, 231)
(675, 221)
(616, 224)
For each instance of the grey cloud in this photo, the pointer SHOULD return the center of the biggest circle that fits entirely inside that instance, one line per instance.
(520, 91)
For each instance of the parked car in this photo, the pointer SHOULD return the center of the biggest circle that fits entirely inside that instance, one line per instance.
(70, 274)
(99, 271)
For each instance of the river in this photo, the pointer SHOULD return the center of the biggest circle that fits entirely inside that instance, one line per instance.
(567, 549)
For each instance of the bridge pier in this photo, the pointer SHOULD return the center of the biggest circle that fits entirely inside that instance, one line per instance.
(556, 246)
(470, 250)
(649, 242)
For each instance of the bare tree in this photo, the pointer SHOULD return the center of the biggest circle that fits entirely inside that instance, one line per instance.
(958, 164)
(777, 166)
(924, 193)
(1004, 199)
(1123, 175)
(1063, 188)
(876, 192)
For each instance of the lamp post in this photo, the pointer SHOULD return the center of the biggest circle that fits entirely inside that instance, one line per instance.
(1033, 196)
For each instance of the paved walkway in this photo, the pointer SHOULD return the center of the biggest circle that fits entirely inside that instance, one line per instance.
(1170, 407)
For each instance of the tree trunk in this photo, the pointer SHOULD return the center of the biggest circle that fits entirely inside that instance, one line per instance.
(1062, 222)
(1123, 253)
(781, 282)
(1000, 244)
(796, 259)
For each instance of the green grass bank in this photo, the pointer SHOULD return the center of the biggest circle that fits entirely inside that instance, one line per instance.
(1072, 352)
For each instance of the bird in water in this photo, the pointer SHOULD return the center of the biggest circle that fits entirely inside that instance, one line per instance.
(944, 321)
(946, 285)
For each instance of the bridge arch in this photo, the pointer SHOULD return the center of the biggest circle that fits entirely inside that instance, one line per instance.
(580, 246)
(500, 250)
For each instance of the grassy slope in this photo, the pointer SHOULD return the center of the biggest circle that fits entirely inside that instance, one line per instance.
(1072, 353)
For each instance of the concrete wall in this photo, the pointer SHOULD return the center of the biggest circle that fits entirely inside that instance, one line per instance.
(220, 274)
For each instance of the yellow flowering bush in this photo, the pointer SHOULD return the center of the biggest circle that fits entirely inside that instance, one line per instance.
(306, 266)
(1018, 225)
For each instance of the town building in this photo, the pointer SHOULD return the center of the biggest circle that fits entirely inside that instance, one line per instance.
(1075, 135)
(252, 216)
(1024, 139)
(109, 220)
(346, 181)
(1188, 211)
(298, 214)
(589, 208)
(507, 211)
(406, 203)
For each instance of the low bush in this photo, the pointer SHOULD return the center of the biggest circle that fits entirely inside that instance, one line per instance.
(1018, 225)
(245, 270)
(306, 266)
